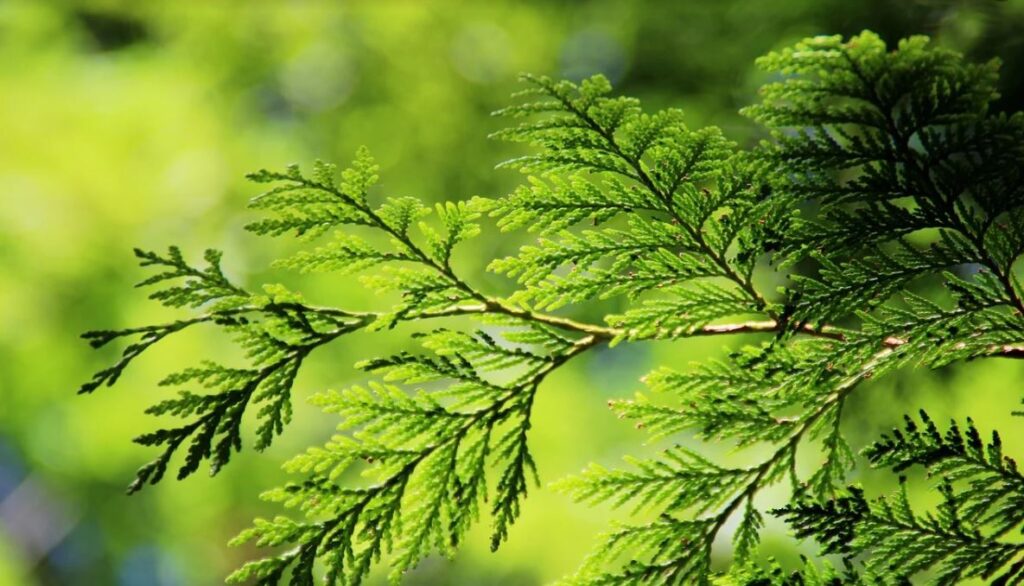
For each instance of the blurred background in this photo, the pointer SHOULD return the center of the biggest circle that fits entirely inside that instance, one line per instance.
(132, 124)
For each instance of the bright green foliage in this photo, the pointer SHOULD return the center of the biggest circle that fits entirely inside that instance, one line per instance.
(886, 175)
(277, 330)
(689, 198)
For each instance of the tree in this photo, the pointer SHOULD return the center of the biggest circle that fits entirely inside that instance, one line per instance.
(885, 173)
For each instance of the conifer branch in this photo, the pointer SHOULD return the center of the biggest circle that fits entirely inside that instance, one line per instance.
(912, 180)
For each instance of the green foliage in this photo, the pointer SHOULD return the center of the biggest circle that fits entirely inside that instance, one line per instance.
(276, 330)
(886, 172)
(691, 205)
(966, 537)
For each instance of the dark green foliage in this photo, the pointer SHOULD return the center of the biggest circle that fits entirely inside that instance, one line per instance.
(886, 175)
(901, 153)
(968, 536)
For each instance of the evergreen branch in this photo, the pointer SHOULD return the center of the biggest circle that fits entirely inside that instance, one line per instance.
(353, 517)
(640, 174)
(886, 173)
(231, 403)
(902, 543)
(325, 184)
(902, 146)
(690, 561)
(995, 487)
(229, 305)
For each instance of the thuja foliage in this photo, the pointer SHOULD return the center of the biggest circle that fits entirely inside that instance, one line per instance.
(876, 229)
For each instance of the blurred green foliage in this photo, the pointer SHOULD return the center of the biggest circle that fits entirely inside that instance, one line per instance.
(132, 124)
